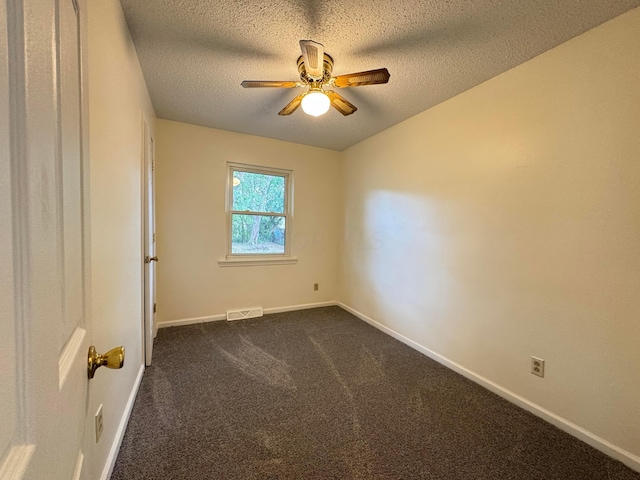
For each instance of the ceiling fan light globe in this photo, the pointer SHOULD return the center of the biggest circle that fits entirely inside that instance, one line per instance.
(315, 104)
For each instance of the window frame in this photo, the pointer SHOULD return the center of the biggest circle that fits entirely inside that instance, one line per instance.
(248, 259)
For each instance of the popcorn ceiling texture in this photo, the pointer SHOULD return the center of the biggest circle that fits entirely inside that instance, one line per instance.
(195, 53)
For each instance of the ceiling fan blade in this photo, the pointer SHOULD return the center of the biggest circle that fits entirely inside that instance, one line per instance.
(292, 106)
(370, 77)
(340, 103)
(263, 83)
(313, 53)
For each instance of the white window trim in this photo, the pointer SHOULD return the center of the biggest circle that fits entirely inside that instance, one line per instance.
(244, 259)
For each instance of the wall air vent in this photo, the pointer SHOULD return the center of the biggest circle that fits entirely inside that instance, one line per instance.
(242, 314)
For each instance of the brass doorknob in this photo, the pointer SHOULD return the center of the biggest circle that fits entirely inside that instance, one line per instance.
(150, 259)
(114, 358)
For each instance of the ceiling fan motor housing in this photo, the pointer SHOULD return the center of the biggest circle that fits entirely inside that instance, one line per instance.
(327, 68)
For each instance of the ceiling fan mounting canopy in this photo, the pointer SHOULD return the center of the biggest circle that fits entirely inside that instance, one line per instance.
(315, 68)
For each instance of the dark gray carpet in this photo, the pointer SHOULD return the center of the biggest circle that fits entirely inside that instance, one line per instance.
(319, 394)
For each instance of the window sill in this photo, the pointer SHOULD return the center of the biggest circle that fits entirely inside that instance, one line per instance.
(251, 261)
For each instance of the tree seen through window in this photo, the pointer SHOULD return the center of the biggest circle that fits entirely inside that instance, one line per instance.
(258, 222)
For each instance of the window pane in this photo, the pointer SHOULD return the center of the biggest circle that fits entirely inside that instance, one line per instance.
(257, 192)
(257, 234)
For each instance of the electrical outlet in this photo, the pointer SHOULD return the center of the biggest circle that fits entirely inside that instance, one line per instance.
(316, 287)
(537, 366)
(99, 423)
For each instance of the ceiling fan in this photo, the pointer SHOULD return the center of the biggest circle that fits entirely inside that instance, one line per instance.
(315, 69)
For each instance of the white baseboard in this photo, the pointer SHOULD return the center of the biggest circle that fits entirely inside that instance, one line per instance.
(191, 321)
(304, 306)
(122, 427)
(606, 447)
(223, 316)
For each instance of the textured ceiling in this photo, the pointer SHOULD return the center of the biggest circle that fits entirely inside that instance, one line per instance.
(195, 53)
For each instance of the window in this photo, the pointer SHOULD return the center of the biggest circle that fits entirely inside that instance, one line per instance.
(259, 215)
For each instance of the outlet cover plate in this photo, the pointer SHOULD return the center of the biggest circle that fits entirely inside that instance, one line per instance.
(537, 366)
(99, 423)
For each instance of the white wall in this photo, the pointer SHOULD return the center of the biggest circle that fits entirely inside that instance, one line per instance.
(191, 164)
(117, 98)
(505, 223)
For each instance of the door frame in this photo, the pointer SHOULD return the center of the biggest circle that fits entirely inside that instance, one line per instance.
(149, 325)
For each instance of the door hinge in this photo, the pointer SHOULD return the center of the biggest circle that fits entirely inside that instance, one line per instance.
(154, 238)
(155, 305)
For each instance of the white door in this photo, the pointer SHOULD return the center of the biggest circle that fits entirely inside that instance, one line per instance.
(45, 329)
(150, 327)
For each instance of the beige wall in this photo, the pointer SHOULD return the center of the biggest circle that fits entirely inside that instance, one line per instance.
(505, 223)
(117, 98)
(191, 164)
